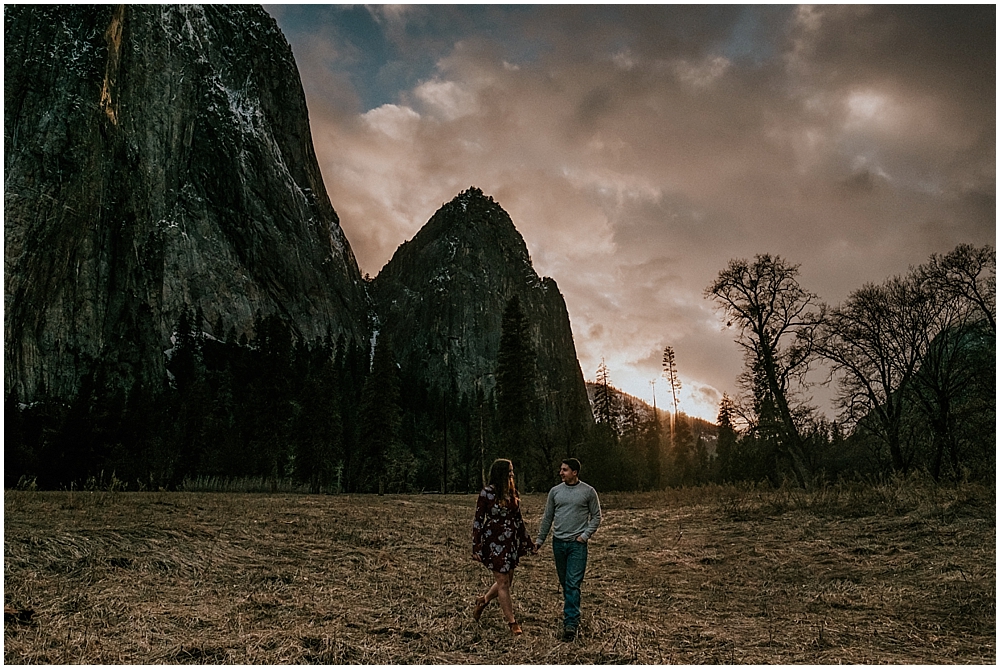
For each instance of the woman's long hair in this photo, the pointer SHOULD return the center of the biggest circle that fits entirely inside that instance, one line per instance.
(502, 485)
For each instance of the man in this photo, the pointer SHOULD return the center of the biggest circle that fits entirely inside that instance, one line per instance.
(574, 514)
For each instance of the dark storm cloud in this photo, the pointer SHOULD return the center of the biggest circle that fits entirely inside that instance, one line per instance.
(923, 49)
(638, 149)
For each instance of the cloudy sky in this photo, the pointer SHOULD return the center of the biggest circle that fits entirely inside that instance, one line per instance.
(639, 149)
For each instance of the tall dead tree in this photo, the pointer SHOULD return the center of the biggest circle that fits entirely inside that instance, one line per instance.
(670, 374)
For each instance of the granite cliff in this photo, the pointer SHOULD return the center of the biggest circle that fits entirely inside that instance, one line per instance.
(157, 159)
(441, 298)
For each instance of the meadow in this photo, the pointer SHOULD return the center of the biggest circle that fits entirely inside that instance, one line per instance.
(900, 572)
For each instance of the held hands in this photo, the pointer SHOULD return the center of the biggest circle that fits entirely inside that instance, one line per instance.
(537, 547)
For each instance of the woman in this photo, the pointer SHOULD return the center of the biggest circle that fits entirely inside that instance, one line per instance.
(499, 539)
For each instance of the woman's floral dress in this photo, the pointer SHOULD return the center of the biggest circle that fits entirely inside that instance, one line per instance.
(499, 537)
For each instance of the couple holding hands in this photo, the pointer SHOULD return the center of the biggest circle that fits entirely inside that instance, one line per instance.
(500, 538)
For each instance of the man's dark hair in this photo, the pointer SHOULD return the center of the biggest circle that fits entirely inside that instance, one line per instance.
(573, 464)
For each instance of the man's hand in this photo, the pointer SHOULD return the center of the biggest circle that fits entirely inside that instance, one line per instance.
(581, 539)
(535, 548)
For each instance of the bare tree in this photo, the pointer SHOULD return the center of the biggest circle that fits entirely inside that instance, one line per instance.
(969, 274)
(875, 342)
(955, 384)
(776, 318)
(918, 344)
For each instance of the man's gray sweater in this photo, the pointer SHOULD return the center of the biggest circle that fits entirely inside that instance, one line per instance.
(574, 510)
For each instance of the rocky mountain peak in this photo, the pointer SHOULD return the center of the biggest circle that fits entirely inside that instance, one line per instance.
(441, 300)
(467, 239)
(471, 209)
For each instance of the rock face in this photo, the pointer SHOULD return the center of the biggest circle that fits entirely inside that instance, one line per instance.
(157, 159)
(442, 296)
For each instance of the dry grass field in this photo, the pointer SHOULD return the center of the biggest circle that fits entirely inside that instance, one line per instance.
(897, 573)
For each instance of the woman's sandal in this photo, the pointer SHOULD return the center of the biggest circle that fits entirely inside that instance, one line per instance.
(480, 607)
(515, 628)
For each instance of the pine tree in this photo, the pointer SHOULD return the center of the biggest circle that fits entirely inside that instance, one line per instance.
(764, 450)
(319, 432)
(188, 369)
(682, 452)
(17, 454)
(651, 447)
(272, 398)
(726, 445)
(604, 400)
(379, 419)
(516, 380)
(352, 363)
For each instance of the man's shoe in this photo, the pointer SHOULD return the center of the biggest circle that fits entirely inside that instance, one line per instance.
(569, 634)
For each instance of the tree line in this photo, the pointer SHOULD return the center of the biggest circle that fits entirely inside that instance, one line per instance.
(637, 447)
(330, 415)
(265, 405)
(913, 360)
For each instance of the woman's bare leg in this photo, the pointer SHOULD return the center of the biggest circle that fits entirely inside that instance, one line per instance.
(503, 594)
(491, 593)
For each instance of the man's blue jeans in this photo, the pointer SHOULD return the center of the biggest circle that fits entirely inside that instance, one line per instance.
(571, 563)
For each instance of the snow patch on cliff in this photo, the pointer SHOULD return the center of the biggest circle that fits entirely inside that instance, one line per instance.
(337, 240)
(371, 350)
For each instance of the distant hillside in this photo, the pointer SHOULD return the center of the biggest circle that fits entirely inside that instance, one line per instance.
(644, 411)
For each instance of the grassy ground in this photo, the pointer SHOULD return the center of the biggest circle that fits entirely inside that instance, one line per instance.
(899, 573)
